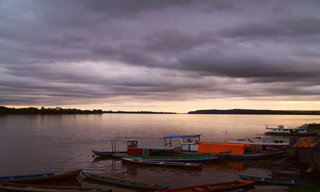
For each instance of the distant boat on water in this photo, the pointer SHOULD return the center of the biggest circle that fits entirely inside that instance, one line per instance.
(281, 130)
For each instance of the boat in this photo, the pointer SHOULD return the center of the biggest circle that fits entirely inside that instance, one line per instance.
(238, 150)
(106, 153)
(131, 142)
(162, 163)
(281, 130)
(123, 182)
(212, 187)
(45, 188)
(258, 155)
(177, 157)
(39, 177)
(272, 181)
(265, 142)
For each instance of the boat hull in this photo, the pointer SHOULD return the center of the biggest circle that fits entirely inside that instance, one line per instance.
(39, 177)
(184, 157)
(123, 182)
(105, 153)
(45, 188)
(257, 156)
(161, 163)
(272, 181)
(212, 187)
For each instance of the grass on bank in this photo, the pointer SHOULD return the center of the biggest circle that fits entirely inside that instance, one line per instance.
(312, 127)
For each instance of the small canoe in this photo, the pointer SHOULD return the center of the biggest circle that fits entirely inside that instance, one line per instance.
(123, 182)
(46, 188)
(105, 153)
(40, 177)
(254, 156)
(272, 181)
(212, 187)
(162, 163)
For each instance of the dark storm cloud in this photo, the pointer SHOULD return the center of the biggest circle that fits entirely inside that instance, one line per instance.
(52, 52)
(297, 27)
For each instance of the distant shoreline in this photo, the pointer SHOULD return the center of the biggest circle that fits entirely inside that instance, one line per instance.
(58, 110)
(254, 112)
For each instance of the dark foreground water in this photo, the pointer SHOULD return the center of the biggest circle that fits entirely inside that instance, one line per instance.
(48, 143)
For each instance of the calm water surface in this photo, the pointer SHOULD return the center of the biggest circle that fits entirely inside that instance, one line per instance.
(42, 143)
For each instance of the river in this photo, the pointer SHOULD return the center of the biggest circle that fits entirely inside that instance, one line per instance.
(47, 143)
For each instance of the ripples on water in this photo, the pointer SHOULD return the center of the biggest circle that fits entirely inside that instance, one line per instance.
(42, 143)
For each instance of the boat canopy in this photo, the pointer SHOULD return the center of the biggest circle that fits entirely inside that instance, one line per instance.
(188, 142)
(180, 136)
(131, 142)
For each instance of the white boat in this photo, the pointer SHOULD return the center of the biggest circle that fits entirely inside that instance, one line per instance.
(263, 141)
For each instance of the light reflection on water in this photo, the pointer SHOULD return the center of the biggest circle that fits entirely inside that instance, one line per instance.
(42, 143)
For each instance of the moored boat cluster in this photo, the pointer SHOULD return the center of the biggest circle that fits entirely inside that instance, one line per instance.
(191, 153)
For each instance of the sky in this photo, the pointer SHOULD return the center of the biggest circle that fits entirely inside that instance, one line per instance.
(160, 55)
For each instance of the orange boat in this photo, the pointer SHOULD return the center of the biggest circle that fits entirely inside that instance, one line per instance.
(237, 150)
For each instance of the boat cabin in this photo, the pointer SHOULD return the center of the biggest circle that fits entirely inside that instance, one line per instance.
(188, 142)
(221, 147)
(131, 143)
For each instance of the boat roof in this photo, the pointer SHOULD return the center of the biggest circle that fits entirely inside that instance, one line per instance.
(181, 136)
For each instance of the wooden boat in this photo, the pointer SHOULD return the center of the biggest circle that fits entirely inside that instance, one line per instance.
(131, 142)
(106, 153)
(258, 155)
(45, 188)
(162, 163)
(212, 187)
(123, 182)
(272, 181)
(177, 157)
(39, 177)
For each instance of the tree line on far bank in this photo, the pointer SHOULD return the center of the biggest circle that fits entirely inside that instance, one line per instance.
(253, 111)
(42, 110)
(59, 110)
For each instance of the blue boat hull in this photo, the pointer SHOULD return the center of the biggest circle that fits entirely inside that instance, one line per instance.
(272, 181)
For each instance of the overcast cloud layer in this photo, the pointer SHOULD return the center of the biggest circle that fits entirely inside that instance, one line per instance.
(71, 52)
